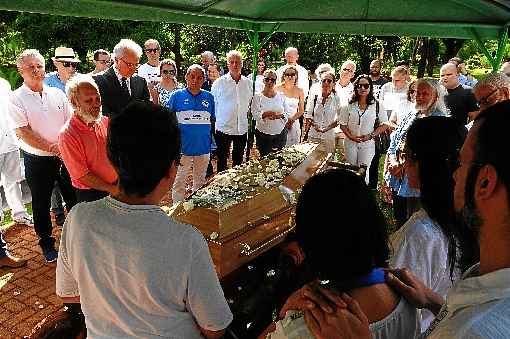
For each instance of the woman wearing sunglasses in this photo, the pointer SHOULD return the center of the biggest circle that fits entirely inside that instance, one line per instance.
(357, 121)
(296, 100)
(432, 244)
(321, 115)
(168, 83)
(271, 112)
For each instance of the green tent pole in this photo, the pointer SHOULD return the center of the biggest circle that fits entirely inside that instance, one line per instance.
(254, 39)
(503, 35)
(484, 49)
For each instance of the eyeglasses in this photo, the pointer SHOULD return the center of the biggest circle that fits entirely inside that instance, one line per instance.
(129, 64)
(273, 80)
(365, 86)
(290, 75)
(485, 100)
(328, 81)
(152, 50)
(347, 70)
(68, 64)
(168, 71)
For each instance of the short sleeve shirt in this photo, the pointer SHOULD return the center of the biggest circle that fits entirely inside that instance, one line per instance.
(194, 114)
(44, 112)
(83, 149)
(361, 122)
(460, 101)
(139, 274)
(323, 115)
(52, 80)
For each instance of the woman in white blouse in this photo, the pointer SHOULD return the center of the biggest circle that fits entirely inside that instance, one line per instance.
(321, 115)
(296, 100)
(357, 121)
(432, 244)
(271, 112)
(259, 80)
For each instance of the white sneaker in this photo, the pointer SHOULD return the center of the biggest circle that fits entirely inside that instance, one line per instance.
(25, 220)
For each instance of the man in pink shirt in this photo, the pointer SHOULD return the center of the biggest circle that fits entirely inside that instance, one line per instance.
(82, 142)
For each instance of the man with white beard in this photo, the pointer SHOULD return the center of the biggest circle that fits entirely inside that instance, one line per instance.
(82, 142)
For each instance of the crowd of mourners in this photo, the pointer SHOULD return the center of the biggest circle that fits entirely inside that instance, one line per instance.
(113, 142)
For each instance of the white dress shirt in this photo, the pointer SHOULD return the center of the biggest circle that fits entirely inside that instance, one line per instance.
(44, 112)
(344, 92)
(262, 104)
(361, 122)
(323, 115)
(232, 102)
(477, 306)
(7, 140)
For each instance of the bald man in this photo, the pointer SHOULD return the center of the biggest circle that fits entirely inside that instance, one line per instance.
(460, 99)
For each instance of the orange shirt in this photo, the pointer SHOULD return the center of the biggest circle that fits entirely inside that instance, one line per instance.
(83, 149)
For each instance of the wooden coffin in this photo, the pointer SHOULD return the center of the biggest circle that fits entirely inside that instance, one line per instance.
(241, 218)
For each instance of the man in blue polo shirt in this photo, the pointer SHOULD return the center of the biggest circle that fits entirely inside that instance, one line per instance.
(194, 108)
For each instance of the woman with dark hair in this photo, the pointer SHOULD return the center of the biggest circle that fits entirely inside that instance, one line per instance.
(357, 121)
(270, 112)
(430, 243)
(259, 80)
(347, 255)
(168, 84)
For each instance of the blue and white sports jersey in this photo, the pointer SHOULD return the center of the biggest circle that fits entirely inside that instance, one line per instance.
(194, 114)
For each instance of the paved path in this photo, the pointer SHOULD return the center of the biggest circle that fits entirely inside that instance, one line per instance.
(27, 294)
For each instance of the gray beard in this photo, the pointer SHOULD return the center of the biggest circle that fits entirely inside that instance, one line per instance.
(88, 118)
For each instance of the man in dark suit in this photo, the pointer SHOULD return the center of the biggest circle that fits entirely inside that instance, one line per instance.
(119, 84)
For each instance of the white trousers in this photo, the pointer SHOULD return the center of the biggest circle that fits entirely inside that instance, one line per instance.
(359, 153)
(10, 174)
(199, 165)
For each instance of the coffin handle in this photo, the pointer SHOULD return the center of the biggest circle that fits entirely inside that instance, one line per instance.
(248, 250)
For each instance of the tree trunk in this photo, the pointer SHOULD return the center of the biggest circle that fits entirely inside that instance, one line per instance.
(424, 52)
(453, 47)
(432, 57)
(177, 45)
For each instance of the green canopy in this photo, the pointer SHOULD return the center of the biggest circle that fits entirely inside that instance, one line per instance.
(468, 19)
(432, 18)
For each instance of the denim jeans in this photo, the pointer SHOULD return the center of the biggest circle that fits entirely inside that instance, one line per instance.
(41, 174)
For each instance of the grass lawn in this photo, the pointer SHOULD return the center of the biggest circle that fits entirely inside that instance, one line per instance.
(7, 214)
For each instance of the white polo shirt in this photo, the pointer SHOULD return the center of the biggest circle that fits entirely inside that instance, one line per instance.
(323, 115)
(7, 139)
(232, 101)
(44, 112)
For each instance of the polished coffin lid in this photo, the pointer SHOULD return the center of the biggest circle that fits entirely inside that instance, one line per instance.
(240, 199)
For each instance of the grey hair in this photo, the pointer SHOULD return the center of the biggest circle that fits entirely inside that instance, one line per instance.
(210, 55)
(234, 53)
(349, 62)
(127, 44)
(493, 80)
(193, 67)
(28, 53)
(323, 68)
(152, 41)
(73, 85)
(290, 49)
(439, 105)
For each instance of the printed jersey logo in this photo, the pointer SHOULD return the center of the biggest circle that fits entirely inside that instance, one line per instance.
(205, 103)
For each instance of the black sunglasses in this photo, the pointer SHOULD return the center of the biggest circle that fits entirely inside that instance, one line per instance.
(328, 81)
(273, 80)
(152, 50)
(365, 86)
(168, 71)
(68, 64)
(290, 75)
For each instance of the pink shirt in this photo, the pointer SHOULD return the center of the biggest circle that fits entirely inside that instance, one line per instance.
(83, 149)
